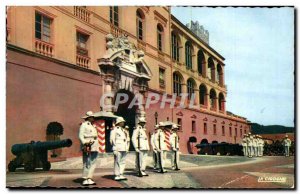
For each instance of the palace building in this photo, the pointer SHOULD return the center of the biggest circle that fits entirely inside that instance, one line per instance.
(62, 59)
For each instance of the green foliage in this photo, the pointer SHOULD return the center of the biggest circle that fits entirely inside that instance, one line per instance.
(270, 129)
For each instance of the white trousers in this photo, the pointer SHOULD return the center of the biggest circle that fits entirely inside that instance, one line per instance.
(119, 162)
(142, 156)
(287, 150)
(163, 156)
(174, 160)
(89, 164)
(245, 150)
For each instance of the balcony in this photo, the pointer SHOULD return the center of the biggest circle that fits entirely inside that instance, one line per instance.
(83, 61)
(115, 31)
(82, 13)
(44, 48)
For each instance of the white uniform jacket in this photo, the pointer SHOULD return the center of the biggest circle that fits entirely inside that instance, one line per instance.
(140, 133)
(119, 139)
(244, 141)
(249, 141)
(287, 142)
(160, 135)
(87, 133)
(173, 138)
(255, 142)
(152, 143)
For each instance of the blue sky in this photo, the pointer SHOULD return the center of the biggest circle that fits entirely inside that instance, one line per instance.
(258, 45)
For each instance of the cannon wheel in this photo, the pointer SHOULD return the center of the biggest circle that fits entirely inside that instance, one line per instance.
(29, 167)
(46, 166)
(11, 166)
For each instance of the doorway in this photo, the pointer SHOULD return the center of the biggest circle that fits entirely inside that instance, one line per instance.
(127, 113)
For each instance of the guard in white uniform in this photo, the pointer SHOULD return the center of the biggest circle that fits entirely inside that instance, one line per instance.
(90, 146)
(141, 146)
(155, 160)
(119, 141)
(261, 144)
(160, 144)
(244, 144)
(249, 145)
(255, 145)
(287, 144)
(174, 141)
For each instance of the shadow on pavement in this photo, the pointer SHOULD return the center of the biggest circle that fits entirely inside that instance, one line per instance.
(78, 180)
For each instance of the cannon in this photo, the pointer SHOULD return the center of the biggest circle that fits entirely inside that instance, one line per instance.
(222, 148)
(34, 154)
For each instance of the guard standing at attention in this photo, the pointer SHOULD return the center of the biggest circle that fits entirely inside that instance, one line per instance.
(255, 145)
(249, 145)
(161, 146)
(119, 142)
(174, 140)
(89, 144)
(287, 144)
(260, 146)
(152, 141)
(141, 146)
(244, 144)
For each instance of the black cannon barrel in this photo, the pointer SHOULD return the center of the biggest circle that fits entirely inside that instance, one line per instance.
(38, 146)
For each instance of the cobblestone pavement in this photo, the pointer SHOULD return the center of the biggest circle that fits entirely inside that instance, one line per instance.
(196, 172)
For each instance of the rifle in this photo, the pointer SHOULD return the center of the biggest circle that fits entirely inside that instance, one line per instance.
(139, 155)
(160, 155)
(176, 164)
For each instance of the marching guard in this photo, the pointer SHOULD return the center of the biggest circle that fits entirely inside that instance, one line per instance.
(141, 145)
(119, 141)
(287, 144)
(174, 140)
(89, 144)
(152, 141)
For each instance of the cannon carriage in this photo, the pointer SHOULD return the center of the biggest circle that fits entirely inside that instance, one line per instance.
(34, 154)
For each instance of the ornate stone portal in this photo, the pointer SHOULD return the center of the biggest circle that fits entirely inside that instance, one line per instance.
(123, 67)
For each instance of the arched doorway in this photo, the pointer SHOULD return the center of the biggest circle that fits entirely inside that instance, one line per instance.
(129, 114)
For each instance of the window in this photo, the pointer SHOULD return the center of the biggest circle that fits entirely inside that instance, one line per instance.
(230, 131)
(211, 69)
(221, 102)
(42, 27)
(223, 130)
(190, 88)
(175, 47)
(203, 92)
(82, 40)
(140, 24)
(245, 131)
(161, 77)
(215, 129)
(159, 37)
(241, 132)
(205, 128)
(201, 62)
(188, 55)
(177, 84)
(193, 126)
(179, 123)
(212, 98)
(235, 131)
(114, 15)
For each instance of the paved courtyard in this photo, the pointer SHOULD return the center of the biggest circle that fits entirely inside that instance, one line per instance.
(196, 172)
